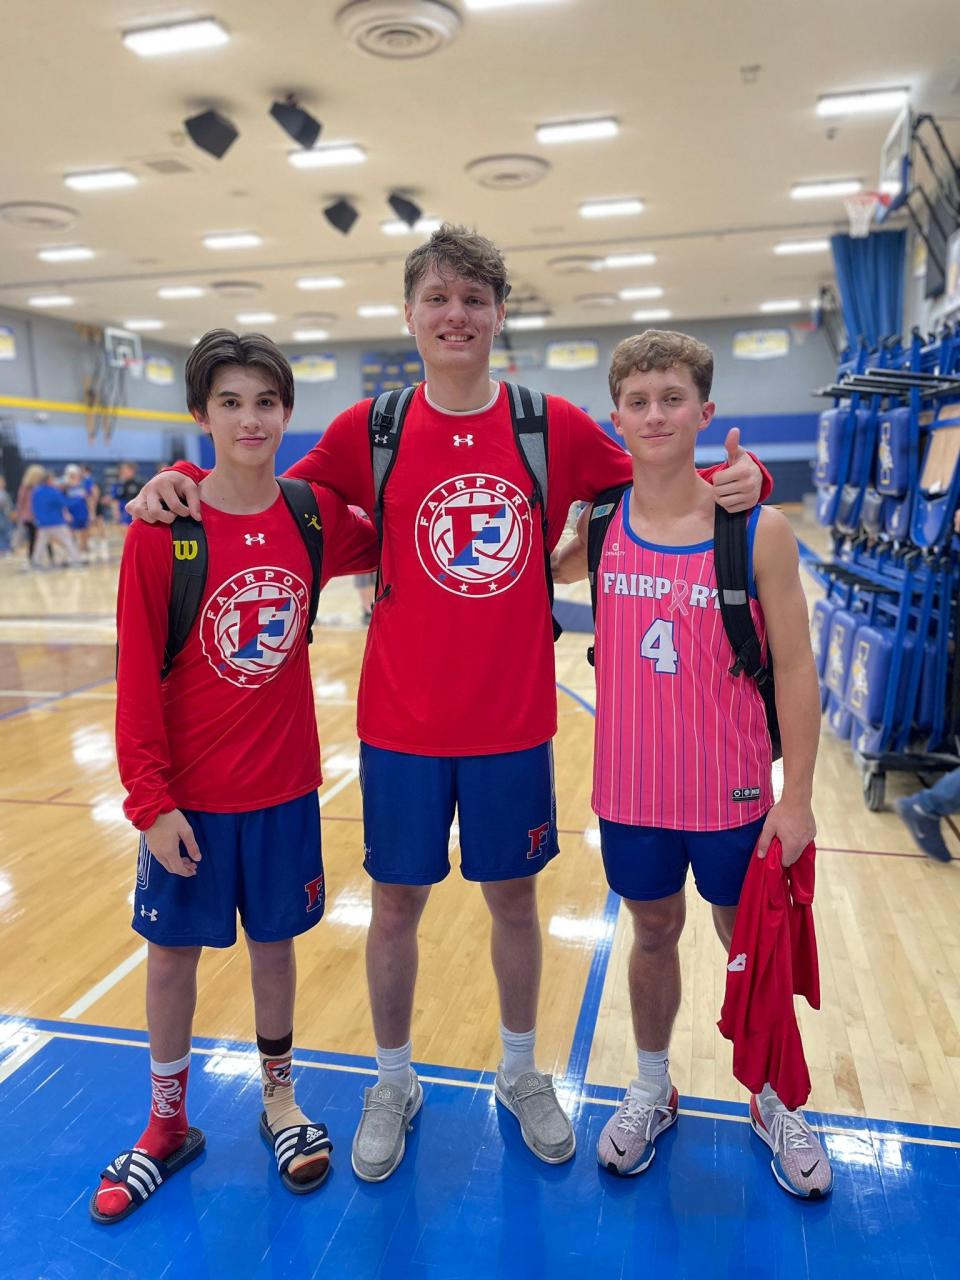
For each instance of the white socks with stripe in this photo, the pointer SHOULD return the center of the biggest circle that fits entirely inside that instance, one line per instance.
(393, 1066)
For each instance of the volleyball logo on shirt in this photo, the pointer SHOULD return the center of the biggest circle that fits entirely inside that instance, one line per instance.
(252, 622)
(474, 534)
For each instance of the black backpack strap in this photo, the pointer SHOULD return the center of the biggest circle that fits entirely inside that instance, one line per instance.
(189, 550)
(528, 413)
(731, 560)
(604, 509)
(302, 503)
(384, 426)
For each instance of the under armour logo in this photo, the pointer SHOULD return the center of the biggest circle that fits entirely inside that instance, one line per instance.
(149, 915)
(738, 964)
(251, 538)
(380, 439)
(459, 440)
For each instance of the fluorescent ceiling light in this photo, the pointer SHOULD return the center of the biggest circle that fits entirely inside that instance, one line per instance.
(137, 326)
(577, 130)
(233, 240)
(50, 300)
(781, 304)
(856, 103)
(640, 293)
(176, 37)
(654, 313)
(478, 5)
(320, 282)
(174, 291)
(786, 247)
(424, 227)
(374, 310)
(310, 335)
(820, 190)
(610, 208)
(326, 157)
(526, 322)
(256, 317)
(68, 253)
(615, 260)
(100, 180)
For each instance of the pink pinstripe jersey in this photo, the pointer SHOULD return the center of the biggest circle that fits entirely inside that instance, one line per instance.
(679, 742)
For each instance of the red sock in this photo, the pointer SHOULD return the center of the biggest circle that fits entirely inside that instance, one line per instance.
(166, 1130)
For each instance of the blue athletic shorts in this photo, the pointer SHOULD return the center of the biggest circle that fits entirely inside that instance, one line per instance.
(266, 864)
(505, 809)
(646, 863)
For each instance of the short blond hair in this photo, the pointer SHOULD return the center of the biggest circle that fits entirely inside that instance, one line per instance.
(656, 350)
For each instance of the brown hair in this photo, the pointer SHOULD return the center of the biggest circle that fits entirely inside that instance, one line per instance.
(656, 350)
(221, 346)
(458, 252)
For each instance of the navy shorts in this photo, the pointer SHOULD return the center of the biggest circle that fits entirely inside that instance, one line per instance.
(646, 863)
(505, 809)
(266, 864)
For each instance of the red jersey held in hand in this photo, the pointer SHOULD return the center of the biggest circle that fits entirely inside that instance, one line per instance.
(773, 956)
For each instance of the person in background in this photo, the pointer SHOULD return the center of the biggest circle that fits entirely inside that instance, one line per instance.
(78, 504)
(127, 487)
(6, 517)
(51, 515)
(24, 513)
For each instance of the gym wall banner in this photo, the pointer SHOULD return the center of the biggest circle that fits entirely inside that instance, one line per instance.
(389, 371)
(761, 344)
(158, 370)
(8, 343)
(573, 355)
(314, 368)
(951, 292)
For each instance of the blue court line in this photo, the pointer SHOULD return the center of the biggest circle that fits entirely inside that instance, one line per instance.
(56, 697)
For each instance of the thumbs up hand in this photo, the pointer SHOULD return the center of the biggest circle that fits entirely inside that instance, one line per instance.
(738, 483)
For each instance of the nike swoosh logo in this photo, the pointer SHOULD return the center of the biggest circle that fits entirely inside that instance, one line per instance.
(807, 1172)
(622, 1152)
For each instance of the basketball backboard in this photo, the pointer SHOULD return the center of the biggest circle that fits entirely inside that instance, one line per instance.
(896, 162)
(122, 348)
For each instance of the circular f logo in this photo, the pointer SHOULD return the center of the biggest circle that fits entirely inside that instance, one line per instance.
(252, 622)
(474, 534)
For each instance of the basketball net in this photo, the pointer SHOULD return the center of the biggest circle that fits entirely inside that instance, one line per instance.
(861, 209)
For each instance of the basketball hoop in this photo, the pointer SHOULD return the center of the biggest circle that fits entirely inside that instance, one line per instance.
(861, 209)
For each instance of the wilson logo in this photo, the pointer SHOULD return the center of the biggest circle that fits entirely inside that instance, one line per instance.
(185, 549)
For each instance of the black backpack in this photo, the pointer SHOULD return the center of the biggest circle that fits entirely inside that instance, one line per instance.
(730, 552)
(528, 413)
(190, 565)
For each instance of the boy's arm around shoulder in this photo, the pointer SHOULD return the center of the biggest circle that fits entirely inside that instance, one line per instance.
(569, 564)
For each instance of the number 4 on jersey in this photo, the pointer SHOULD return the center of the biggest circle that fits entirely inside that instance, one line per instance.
(657, 644)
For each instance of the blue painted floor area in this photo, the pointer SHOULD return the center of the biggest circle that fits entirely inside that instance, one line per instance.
(468, 1200)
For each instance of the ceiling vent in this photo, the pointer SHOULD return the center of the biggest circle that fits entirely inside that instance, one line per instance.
(596, 301)
(398, 28)
(574, 264)
(508, 173)
(236, 288)
(166, 165)
(317, 317)
(38, 217)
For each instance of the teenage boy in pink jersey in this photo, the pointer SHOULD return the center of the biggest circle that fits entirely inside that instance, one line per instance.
(457, 702)
(682, 769)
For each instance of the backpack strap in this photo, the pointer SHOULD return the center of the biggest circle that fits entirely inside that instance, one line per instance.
(528, 413)
(302, 504)
(384, 426)
(731, 555)
(189, 550)
(604, 509)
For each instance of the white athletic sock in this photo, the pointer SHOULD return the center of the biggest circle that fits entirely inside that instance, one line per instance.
(653, 1074)
(393, 1066)
(518, 1047)
(768, 1101)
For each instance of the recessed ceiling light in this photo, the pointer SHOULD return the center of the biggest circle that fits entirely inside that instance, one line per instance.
(176, 37)
(641, 292)
(256, 317)
(425, 226)
(610, 208)
(526, 322)
(578, 130)
(655, 313)
(860, 101)
(781, 304)
(615, 260)
(100, 180)
(327, 156)
(137, 326)
(320, 282)
(50, 300)
(233, 240)
(67, 253)
(374, 310)
(174, 291)
(832, 187)
(310, 335)
(786, 247)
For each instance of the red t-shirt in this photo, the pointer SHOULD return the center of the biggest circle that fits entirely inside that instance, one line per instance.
(459, 657)
(232, 728)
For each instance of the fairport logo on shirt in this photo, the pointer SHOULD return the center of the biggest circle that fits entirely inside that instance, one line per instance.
(251, 624)
(474, 534)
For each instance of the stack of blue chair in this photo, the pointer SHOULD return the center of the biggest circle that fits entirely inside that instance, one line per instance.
(888, 484)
